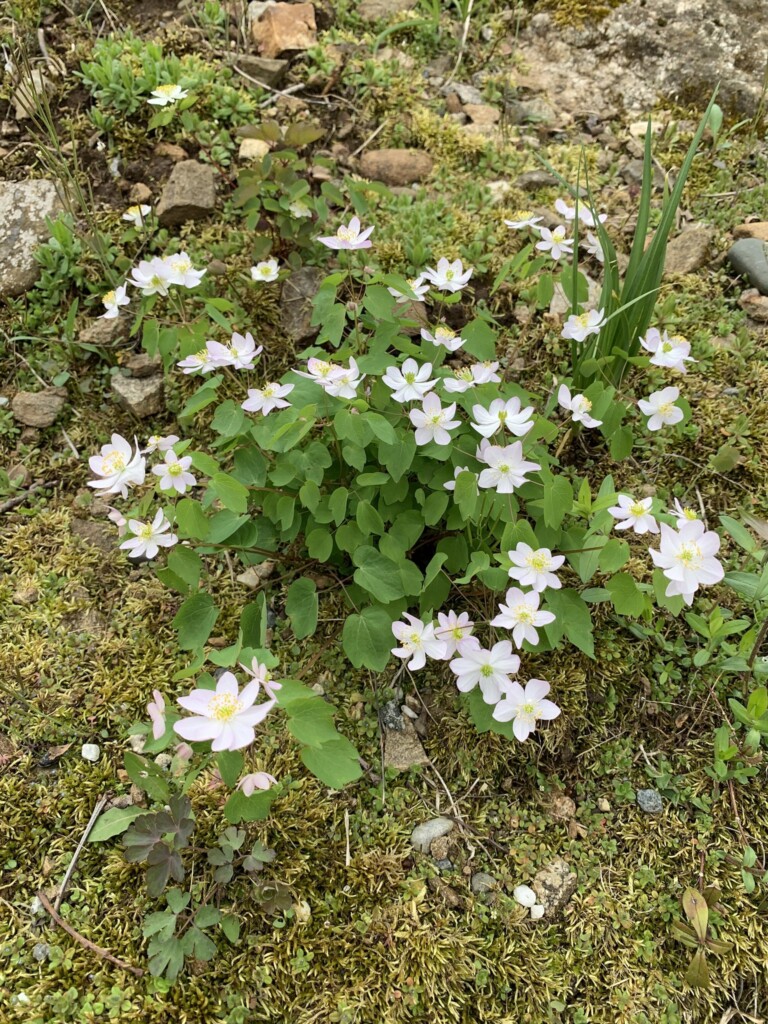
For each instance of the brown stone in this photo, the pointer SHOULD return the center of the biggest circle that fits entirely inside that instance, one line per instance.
(754, 305)
(554, 885)
(171, 151)
(189, 194)
(140, 193)
(402, 748)
(296, 303)
(269, 72)
(38, 408)
(26, 595)
(97, 534)
(19, 475)
(688, 252)
(101, 332)
(757, 229)
(562, 807)
(396, 166)
(141, 364)
(284, 27)
(482, 113)
(378, 10)
(142, 396)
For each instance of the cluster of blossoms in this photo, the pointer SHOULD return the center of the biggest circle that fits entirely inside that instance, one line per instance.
(240, 354)
(152, 277)
(555, 241)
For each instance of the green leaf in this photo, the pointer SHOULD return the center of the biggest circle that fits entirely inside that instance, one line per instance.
(368, 519)
(367, 638)
(558, 500)
(434, 507)
(301, 607)
(614, 555)
(256, 807)
(335, 763)
(147, 776)
(626, 598)
(113, 823)
(320, 544)
(207, 917)
(230, 492)
(230, 925)
(230, 765)
(186, 564)
(338, 504)
(377, 574)
(191, 520)
(465, 494)
(195, 620)
(622, 441)
(573, 620)
(229, 419)
(310, 720)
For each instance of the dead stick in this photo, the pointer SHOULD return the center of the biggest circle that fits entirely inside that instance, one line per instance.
(68, 873)
(103, 953)
(21, 498)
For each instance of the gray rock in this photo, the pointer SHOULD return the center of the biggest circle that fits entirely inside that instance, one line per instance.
(41, 951)
(390, 715)
(749, 256)
(189, 194)
(103, 333)
(140, 396)
(296, 303)
(403, 748)
(688, 251)
(466, 93)
(38, 408)
(423, 835)
(24, 205)
(649, 801)
(554, 885)
(378, 10)
(99, 535)
(445, 864)
(481, 881)
(632, 173)
(396, 166)
(532, 181)
(271, 72)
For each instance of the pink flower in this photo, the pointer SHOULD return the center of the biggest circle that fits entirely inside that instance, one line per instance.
(261, 674)
(456, 633)
(156, 712)
(348, 237)
(226, 715)
(256, 780)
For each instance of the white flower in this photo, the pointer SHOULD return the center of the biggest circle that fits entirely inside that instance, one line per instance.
(418, 287)
(165, 94)
(417, 642)
(321, 371)
(174, 473)
(226, 715)
(263, 677)
(470, 376)
(687, 558)
(500, 415)
(555, 242)
(661, 409)
(299, 209)
(524, 895)
(433, 422)
(594, 248)
(586, 216)
(202, 361)
(526, 707)
(113, 301)
(256, 780)
(344, 384)
(535, 569)
(521, 614)
(118, 466)
(523, 219)
(116, 516)
(152, 277)
(670, 352)
(348, 237)
(450, 485)
(579, 326)
(443, 336)
(482, 449)
(490, 669)
(683, 514)
(265, 271)
(182, 272)
(411, 383)
(136, 215)
(448, 277)
(156, 443)
(156, 712)
(456, 633)
(148, 538)
(240, 353)
(579, 407)
(264, 400)
(507, 468)
(634, 514)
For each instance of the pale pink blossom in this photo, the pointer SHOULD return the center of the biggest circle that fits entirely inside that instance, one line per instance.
(579, 326)
(444, 337)
(348, 237)
(579, 407)
(447, 276)
(148, 538)
(156, 712)
(226, 715)
(409, 383)
(470, 376)
(556, 242)
(456, 633)
(267, 398)
(525, 706)
(501, 415)
(256, 780)
(417, 642)
(507, 468)
(174, 473)
(118, 466)
(660, 408)
(490, 669)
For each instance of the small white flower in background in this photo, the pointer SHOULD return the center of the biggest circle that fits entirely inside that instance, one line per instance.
(264, 400)
(148, 538)
(152, 277)
(156, 712)
(113, 301)
(240, 353)
(345, 383)
(490, 669)
(90, 752)
(419, 289)
(263, 677)
(682, 513)
(443, 336)
(661, 409)
(579, 406)
(348, 236)
(174, 473)
(202, 361)
(521, 614)
(526, 706)
(320, 371)
(535, 569)
(298, 208)
(456, 633)
(447, 276)
(556, 242)
(594, 248)
(256, 780)
(417, 642)
(687, 558)
(579, 326)
(502, 415)
(482, 449)
(506, 468)
(523, 219)
(182, 272)
(118, 466)
(469, 376)
(226, 715)
(265, 271)
(116, 516)
(165, 94)
(635, 515)
(450, 485)
(586, 216)
(433, 422)
(136, 215)
(409, 383)
(670, 352)
(524, 895)
(157, 443)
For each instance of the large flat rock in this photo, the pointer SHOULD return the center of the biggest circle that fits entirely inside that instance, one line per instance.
(24, 206)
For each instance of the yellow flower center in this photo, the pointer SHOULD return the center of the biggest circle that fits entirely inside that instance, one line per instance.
(464, 374)
(538, 561)
(502, 415)
(175, 469)
(268, 391)
(523, 214)
(449, 275)
(435, 420)
(637, 509)
(486, 671)
(113, 463)
(504, 468)
(444, 334)
(155, 439)
(523, 613)
(689, 555)
(346, 234)
(410, 377)
(666, 408)
(182, 266)
(583, 319)
(146, 531)
(689, 514)
(166, 90)
(558, 234)
(414, 639)
(457, 633)
(109, 299)
(202, 355)
(584, 404)
(156, 281)
(528, 709)
(223, 707)
(134, 211)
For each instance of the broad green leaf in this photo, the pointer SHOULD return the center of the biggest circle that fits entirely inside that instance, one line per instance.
(572, 620)
(626, 598)
(320, 544)
(195, 620)
(113, 823)
(558, 500)
(191, 520)
(230, 765)
(335, 763)
(368, 639)
(147, 776)
(256, 807)
(377, 574)
(301, 607)
(230, 492)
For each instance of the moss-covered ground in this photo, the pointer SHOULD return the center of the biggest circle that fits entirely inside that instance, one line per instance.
(380, 936)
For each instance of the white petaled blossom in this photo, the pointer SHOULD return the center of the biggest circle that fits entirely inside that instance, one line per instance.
(586, 216)
(165, 94)
(501, 415)
(433, 422)
(113, 301)
(152, 277)
(344, 384)
(320, 371)
(579, 326)
(256, 780)
(682, 514)
(470, 376)
(447, 276)
(450, 485)
(148, 538)
(226, 715)
(670, 352)
(156, 712)
(136, 215)
(687, 558)
(488, 669)
(157, 443)
(265, 271)
(118, 466)
(418, 289)
(201, 361)
(417, 642)
(556, 242)
(507, 468)
(660, 408)
(444, 337)
(348, 236)
(594, 248)
(456, 633)
(174, 473)
(579, 406)
(535, 568)
(116, 516)
(634, 515)
(525, 706)
(521, 614)
(523, 219)
(240, 353)
(481, 450)
(263, 677)
(264, 400)
(409, 383)
(182, 271)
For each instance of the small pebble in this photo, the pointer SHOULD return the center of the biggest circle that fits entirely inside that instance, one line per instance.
(603, 805)
(483, 882)
(524, 895)
(163, 761)
(41, 951)
(136, 743)
(649, 801)
(36, 907)
(445, 864)
(90, 752)
(537, 912)
(423, 835)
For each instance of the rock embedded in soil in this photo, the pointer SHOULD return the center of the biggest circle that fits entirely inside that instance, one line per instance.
(396, 166)
(466, 93)
(38, 408)
(532, 181)
(252, 149)
(756, 229)
(554, 885)
(649, 801)
(189, 194)
(24, 206)
(424, 835)
(281, 28)
(754, 305)
(140, 396)
(482, 882)
(688, 251)
(749, 257)
(296, 296)
(267, 70)
(379, 10)
(26, 98)
(101, 332)
(403, 748)
(482, 113)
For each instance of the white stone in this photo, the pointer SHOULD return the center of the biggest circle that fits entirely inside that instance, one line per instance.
(524, 895)
(537, 912)
(90, 752)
